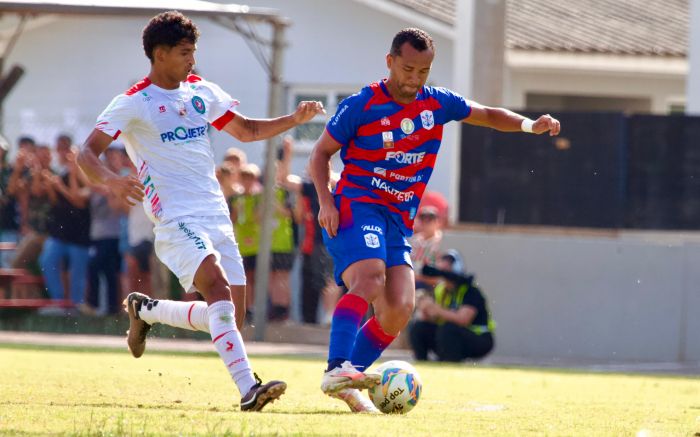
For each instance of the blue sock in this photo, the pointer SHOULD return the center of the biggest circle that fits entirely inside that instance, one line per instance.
(370, 342)
(346, 320)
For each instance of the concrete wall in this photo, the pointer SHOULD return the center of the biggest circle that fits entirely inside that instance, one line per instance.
(626, 297)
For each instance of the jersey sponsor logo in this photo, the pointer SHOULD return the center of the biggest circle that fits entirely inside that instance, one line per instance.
(399, 177)
(146, 97)
(407, 126)
(388, 140)
(427, 119)
(380, 171)
(198, 242)
(198, 104)
(385, 121)
(182, 133)
(161, 109)
(372, 241)
(401, 196)
(405, 157)
(336, 119)
(373, 228)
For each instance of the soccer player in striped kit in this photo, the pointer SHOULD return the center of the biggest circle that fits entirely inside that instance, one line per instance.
(164, 121)
(388, 135)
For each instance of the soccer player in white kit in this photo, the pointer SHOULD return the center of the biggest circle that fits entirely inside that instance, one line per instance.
(164, 121)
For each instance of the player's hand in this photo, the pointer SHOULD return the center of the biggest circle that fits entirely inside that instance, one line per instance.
(328, 218)
(307, 110)
(546, 123)
(128, 188)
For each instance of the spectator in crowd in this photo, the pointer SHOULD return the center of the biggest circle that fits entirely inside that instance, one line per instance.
(68, 230)
(425, 243)
(246, 215)
(454, 321)
(227, 176)
(140, 254)
(106, 212)
(317, 266)
(29, 184)
(282, 254)
(235, 158)
(9, 224)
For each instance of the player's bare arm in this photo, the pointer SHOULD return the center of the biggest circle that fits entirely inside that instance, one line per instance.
(128, 188)
(506, 120)
(320, 172)
(254, 129)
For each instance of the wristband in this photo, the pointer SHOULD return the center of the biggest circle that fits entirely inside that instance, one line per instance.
(526, 125)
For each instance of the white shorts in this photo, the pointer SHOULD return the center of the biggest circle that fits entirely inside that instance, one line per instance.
(183, 243)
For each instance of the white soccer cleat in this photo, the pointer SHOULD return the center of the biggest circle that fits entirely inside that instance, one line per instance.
(347, 376)
(355, 400)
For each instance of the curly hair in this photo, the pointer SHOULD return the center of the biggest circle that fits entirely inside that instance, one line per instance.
(168, 29)
(419, 40)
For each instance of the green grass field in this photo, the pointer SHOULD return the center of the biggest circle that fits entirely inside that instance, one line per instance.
(73, 392)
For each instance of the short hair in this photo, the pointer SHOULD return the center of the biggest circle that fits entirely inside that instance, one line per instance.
(26, 140)
(168, 29)
(64, 137)
(419, 40)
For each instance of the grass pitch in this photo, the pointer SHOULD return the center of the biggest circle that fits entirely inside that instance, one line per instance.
(77, 392)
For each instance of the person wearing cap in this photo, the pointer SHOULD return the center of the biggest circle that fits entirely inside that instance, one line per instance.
(454, 322)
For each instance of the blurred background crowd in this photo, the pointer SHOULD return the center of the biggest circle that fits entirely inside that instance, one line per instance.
(87, 248)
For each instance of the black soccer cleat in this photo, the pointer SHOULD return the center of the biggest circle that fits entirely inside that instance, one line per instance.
(136, 335)
(262, 394)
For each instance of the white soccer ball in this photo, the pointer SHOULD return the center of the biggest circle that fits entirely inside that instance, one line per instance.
(399, 389)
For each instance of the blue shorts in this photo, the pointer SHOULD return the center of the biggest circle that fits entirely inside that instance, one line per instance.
(366, 231)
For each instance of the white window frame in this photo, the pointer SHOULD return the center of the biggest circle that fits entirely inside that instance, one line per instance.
(331, 92)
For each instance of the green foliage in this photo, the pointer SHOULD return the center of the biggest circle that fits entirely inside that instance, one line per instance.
(100, 393)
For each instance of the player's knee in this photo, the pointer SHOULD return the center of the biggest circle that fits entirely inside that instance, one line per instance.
(369, 285)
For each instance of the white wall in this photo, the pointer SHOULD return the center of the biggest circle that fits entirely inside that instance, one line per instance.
(662, 91)
(626, 297)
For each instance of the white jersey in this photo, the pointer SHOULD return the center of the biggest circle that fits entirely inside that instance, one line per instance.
(166, 137)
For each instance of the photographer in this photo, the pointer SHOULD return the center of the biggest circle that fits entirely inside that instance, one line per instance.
(454, 322)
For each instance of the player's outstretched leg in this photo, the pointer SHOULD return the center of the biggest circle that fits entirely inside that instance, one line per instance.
(261, 394)
(136, 335)
(356, 401)
(347, 376)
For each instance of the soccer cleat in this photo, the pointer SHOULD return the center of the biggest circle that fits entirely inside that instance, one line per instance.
(261, 394)
(347, 376)
(136, 335)
(355, 400)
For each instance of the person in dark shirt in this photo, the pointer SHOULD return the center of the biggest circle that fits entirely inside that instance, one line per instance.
(9, 223)
(68, 231)
(454, 322)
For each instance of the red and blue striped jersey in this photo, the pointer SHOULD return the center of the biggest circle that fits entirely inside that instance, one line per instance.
(389, 149)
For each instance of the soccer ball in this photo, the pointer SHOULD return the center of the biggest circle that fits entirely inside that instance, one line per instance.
(399, 389)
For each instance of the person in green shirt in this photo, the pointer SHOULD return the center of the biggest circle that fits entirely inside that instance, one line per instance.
(454, 322)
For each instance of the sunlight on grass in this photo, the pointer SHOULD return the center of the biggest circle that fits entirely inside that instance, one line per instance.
(110, 393)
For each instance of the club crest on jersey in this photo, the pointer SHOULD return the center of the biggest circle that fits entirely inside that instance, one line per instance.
(407, 126)
(427, 119)
(198, 104)
(388, 140)
(372, 241)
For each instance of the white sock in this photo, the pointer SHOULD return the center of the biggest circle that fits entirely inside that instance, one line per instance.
(186, 315)
(229, 344)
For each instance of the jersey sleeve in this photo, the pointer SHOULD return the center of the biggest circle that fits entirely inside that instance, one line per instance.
(221, 104)
(456, 107)
(117, 116)
(344, 124)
